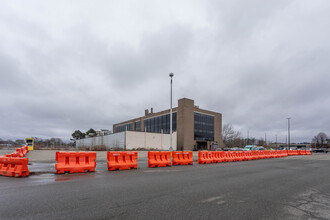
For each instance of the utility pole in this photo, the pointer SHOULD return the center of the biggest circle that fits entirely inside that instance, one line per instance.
(171, 148)
(276, 140)
(289, 131)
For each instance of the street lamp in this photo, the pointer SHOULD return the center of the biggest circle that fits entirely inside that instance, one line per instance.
(289, 131)
(171, 148)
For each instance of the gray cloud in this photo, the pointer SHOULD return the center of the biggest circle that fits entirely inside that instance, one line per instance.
(68, 67)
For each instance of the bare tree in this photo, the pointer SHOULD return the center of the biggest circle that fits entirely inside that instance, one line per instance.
(320, 140)
(231, 138)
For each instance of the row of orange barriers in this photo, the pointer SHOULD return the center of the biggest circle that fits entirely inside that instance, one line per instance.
(80, 162)
(14, 164)
(163, 158)
(298, 152)
(205, 157)
(20, 152)
(73, 162)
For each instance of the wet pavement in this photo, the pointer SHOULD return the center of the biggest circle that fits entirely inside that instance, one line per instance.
(281, 188)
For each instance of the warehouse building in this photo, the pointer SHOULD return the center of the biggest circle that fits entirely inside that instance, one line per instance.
(193, 128)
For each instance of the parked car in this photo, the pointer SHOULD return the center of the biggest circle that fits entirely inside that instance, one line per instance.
(249, 147)
(320, 150)
(253, 147)
(235, 149)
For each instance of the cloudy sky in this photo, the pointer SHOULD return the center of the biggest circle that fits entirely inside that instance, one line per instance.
(68, 65)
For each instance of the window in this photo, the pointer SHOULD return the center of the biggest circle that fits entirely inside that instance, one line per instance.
(204, 127)
(137, 125)
(160, 123)
(124, 127)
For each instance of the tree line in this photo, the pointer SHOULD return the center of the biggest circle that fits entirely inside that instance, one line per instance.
(38, 143)
(233, 138)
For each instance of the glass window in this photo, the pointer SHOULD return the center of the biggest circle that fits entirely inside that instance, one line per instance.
(160, 124)
(137, 126)
(124, 127)
(204, 127)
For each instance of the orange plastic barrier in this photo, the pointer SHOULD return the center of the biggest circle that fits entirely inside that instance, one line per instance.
(301, 152)
(275, 153)
(159, 158)
(256, 155)
(182, 158)
(240, 156)
(217, 156)
(284, 153)
(248, 155)
(75, 162)
(122, 160)
(19, 152)
(204, 157)
(268, 154)
(230, 157)
(16, 167)
(292, 152)
(308, 152)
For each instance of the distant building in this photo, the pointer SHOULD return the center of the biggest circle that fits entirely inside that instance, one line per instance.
(195, 128)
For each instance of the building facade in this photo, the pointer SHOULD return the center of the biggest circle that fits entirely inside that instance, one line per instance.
(196, 128)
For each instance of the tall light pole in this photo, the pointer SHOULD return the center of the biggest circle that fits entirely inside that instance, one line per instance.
(289, 131)
(171, 148)
(276, 140)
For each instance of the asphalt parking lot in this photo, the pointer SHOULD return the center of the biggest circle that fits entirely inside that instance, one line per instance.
(296, 187)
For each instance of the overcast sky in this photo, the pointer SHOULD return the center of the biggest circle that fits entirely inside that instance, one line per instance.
(68, 65)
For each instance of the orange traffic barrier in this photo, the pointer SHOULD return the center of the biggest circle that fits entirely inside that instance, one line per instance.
(233, 155)
(308, 152)
(20, 152)
(122, 160)
(204, 157)
(293, 152)
(262, 154)
(248, 155)
(268, 154)
(75, 162)
(16, 167)
(229, 156)
(274, 153)
(217, 156)
(256, 155)
(284, 153)
(182, 158)
(223, 156)
(239, 155)
(159, 158)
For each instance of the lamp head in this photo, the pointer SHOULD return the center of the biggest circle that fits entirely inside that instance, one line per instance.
(171, 75)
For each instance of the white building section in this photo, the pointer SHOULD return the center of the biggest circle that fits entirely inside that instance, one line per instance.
(129, 140)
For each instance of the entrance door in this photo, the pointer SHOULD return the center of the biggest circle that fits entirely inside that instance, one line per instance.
(201, 145)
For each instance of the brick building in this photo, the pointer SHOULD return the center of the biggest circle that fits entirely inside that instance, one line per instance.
(196, 128)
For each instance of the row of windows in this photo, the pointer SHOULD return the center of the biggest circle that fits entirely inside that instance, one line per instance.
(203, 127)
(124, 127)
(160, 124)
